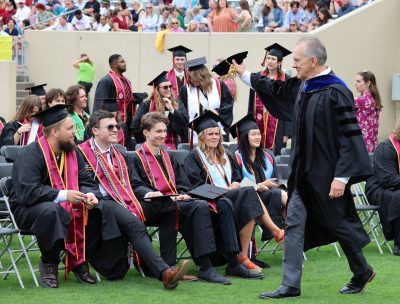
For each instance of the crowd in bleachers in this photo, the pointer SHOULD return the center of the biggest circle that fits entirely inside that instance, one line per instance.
(174, 16)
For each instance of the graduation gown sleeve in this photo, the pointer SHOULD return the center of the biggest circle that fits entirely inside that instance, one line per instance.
(7, 135)
(139, 181)
(386, 166)
(135, 126)
(105, 89)
(226, 108)
(179, 119)
(195, 172)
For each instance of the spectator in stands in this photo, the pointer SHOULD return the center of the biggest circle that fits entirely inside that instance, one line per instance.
(42, 16)
(309, 15)
(80, 22)
(91, 7)
(86, 73)
(345, 8)
(120, 22)
(181, 5)
(165, 17)
(69, 4)
(23, 128)
(23, 12)
(223, 18)
(2, 32)
(54, 97)
(175, 13)
(383, 188)
(104, 7)
(174, 26)
(103, 25)
(80, 4)
(94, 22)
(76, 98)
(54, 6)
(294, 14)
(293, 27)
(63, 24)
(272, 16)
(124, 10)
(137, 12)
(23, 27)
(148, 21)
(320, 4)
(193, 26)
(203, 25)
(245, 20)
(367, 107)
(11, 29)
(196, 14)
(8, 12)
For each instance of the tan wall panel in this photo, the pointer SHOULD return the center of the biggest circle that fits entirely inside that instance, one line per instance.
(8, 80)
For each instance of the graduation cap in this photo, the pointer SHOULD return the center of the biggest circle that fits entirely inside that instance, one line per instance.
(243, 126)
(208, 192)
(179, 51)
(276, 50)
(52, 115)
(223, 67)
(196, 64)
(159, 79)
(37, 90)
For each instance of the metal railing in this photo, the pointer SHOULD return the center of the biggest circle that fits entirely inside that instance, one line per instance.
(50, 19)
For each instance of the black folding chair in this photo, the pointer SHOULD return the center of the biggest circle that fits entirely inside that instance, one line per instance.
(10, 153)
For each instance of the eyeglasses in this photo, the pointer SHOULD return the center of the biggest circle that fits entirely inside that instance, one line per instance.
(174, 23)
(293, 24)
(149, 7)
(166, 87)
(111, 127)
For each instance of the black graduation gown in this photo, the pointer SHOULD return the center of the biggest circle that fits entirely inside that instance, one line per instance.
(32, 194)
(178, 121)
(245, 201)
(383, 188)
(128, 143)
(328, 145)
(7, 135)
(225, 111)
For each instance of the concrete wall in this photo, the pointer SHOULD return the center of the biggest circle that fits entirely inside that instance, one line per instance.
(365, 39)
(8, 79)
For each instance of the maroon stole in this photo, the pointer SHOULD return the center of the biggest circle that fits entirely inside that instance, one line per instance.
(266, 122)
(170, 142)
(124, 91)
(65, 177)
(23, 140)
(117, 184)
(121, 137)
(172, 78)
(396, 146)
(1, 126)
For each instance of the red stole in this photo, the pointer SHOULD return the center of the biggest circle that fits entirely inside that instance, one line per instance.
(124, 91)
(266, 122)
(66, 178)
(171, 76)
(118, 185)
(121, 137)
(170, 142)
(396, 146)
(23, 139)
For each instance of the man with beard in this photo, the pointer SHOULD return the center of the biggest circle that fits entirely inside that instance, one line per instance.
(52, 196)
(116, 85)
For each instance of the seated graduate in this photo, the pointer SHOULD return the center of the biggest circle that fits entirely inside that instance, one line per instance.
(54, 97)
(158, 175)
(77, 100)
(162, 100)
(55, 205)
(211, 163)
(258, 165)
(124, 138)
(23, 128)
(111, 171)
(383, 188)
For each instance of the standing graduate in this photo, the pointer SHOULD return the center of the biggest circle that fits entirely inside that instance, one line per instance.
(328, 155)
(162, 100)
(274, 131)
(111, 171)
(177, 75)
(23, 127)
(157, 175)
(203, 93)
(383, 188)
(211, 164)
(57, 207)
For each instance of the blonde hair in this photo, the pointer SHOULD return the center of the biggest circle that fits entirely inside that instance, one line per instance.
(220, 150)
(26, 107)
(160, 104)
(203, 76)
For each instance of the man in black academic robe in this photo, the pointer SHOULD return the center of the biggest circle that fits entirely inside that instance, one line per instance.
(328, 155)
(383, 188)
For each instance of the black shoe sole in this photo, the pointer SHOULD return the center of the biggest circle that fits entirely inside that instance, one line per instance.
(179, 275)
(272, 298)
(368, 281)
(84, 282)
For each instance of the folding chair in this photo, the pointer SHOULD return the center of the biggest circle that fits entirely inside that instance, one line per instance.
(282, 171)
(10, 153)
(179, 155)
(183, 146)
(232, 145)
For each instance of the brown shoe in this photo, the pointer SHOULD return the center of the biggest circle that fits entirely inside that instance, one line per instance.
(48, 275)
(83, 275)
(172, 275)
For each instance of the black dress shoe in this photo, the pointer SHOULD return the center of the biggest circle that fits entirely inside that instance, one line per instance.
(358, 283)
(48, 275)
(212, 276)
(282, 292)
(396, 250)
(83, 275)
(241, 271)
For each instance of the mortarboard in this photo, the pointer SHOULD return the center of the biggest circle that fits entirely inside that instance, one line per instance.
(110, 104)
(223, 67)
(37, 90)
(276, 50)
(208, 192)
(52, 115)
(196, 64)
(159, 79)
(206, 120)
(242, 126)
(179, 51)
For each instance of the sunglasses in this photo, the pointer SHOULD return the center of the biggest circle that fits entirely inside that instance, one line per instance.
(174, 22)
(166, 87)
(149, 7)
(111, 127)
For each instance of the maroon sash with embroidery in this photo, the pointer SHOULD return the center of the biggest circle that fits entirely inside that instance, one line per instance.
(68, 180)
(124, 93)
(170, 142)
(396, 146)
(120, 188)
(266, 122)
(171, 76)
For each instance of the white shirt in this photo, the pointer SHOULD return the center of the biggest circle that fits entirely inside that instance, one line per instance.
(82, 24)
(22, 13)
(103, 28)
(67, 27)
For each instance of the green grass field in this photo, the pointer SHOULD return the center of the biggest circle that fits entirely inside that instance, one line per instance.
(324, 275)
